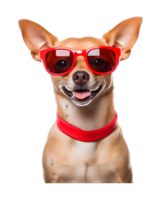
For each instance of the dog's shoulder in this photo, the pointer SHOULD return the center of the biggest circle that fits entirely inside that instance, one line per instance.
(51, 139)
(51, 131)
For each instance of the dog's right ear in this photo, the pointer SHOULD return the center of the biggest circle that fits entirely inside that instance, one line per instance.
(36, 37)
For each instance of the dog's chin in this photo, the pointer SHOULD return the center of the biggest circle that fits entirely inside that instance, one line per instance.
(82, 101)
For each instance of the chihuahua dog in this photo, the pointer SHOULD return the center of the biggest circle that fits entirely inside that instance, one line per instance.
(85, 144)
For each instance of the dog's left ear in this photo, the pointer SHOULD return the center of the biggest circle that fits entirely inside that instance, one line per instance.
(124, 35)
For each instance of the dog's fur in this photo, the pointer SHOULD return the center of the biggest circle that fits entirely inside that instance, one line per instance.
(66, 160)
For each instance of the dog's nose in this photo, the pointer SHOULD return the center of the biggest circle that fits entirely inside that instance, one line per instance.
(80, 77)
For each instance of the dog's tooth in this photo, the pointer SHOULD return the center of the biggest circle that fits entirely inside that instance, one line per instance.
(68, 89)
(95, 89)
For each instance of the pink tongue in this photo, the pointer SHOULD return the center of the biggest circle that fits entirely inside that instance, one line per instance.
(81, 95)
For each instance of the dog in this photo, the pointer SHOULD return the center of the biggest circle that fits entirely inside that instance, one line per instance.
(85, 144)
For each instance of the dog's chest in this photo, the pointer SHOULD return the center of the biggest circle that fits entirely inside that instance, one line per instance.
(80, 173)
(80, 166)
(85, 151)
(73, 161)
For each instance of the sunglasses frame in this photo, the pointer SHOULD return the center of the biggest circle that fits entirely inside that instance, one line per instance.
(83, 53)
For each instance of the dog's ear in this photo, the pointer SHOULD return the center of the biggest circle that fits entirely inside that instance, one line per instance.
(36, 37)
(124, 35)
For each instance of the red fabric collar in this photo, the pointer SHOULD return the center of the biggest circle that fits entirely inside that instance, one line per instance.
(86, 136)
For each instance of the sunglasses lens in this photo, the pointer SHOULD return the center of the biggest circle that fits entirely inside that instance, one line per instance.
(101, 60)
(59, 61)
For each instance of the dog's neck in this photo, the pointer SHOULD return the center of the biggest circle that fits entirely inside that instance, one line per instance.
(96, 115)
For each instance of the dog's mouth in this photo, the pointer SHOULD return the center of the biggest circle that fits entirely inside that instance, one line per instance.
(82, 97)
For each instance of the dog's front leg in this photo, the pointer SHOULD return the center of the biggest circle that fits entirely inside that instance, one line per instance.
(128, 179)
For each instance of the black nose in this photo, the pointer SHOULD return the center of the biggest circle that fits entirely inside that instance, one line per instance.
(80, 77)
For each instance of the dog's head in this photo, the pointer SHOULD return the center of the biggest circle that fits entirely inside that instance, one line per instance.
(81, 85)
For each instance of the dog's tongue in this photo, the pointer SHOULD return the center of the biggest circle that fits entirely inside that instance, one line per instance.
(81, 95)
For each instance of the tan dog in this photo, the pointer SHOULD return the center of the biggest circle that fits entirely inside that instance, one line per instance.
(66, 159)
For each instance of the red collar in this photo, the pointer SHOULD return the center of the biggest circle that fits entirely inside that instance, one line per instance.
(86, 136)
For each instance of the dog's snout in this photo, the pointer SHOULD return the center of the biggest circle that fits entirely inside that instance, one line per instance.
(80, 77)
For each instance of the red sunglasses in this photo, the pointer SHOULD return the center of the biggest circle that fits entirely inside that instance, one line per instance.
(59, 61)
